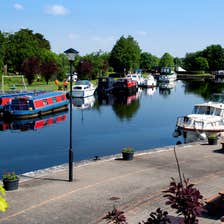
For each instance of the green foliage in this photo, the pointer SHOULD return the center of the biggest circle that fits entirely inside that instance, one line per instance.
(213, 136)
(166, 61)
(178, 62)
(128, 150)
(215, 57)
(201, 63)
(148, 61)
(9, 176)
(3, 202)
(125, 54)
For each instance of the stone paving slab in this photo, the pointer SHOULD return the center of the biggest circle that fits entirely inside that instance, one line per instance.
(133, 186)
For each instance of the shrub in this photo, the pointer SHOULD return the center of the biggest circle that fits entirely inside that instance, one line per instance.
(116, 217)
(128, 150)
(9, 176)
(186, 199)
(157, 217)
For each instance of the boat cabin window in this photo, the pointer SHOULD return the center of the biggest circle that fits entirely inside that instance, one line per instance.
(77, 87)
(207, 110)
(54, 100)
(21, 104)
(201, 110)
(45, 101)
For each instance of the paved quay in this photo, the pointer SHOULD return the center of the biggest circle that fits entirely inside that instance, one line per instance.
(133, 186)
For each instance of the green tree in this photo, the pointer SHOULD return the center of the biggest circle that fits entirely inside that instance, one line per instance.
(50, 64)
(22, 45)
(148, 61)
(166, 60)
(125, 54)
(201, 63)
(215, 57)
(178, 61)
(195, 62)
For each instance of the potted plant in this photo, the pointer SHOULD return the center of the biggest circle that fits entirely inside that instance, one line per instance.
(128, 153)
(10, 181)
(212, 139)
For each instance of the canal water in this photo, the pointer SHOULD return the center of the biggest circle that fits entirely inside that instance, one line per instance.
(101, 126)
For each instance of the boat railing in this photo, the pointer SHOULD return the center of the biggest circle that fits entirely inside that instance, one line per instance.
(186, 122)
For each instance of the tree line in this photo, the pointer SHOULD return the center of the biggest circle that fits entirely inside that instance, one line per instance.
(28, 53)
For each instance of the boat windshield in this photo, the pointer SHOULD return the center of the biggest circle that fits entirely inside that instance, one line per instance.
(207, 110)
(83, 82)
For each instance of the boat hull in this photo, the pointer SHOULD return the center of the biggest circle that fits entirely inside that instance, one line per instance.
(34, 113)
(86, 93)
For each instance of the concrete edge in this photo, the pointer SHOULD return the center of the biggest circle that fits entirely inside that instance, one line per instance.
(59, 168)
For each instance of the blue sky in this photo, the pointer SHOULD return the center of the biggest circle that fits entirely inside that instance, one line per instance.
(159, 26)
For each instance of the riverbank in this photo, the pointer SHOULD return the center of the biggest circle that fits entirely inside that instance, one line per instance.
(133, 186)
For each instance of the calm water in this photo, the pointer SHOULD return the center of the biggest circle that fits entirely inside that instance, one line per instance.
(144, 121)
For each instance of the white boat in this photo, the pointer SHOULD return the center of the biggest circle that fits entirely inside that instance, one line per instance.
(167, 75)
(83, 88)
(150, 81)
(83, 103)
(219, 76)
(206, 117)
(136, 77)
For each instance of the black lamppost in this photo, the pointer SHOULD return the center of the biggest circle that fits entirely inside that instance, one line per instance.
(70, 53)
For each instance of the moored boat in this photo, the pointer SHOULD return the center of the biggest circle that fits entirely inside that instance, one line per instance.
(7, 97)
(105, 85)
(136, 77)
(150, 81)
(206, 118)
(83, 88)
(30, 106)
(167, 75)
(125, 85)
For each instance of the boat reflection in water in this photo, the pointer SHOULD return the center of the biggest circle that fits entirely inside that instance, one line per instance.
(33, 124)
(165, 87)
(83, 103)
(125, 106)
(149, 91)
(188, 136)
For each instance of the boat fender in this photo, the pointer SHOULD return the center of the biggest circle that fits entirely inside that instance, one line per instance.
(202, 136)
(68, 95)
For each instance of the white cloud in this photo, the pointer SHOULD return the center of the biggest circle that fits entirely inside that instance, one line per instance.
(18, 6)
(56, 10)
